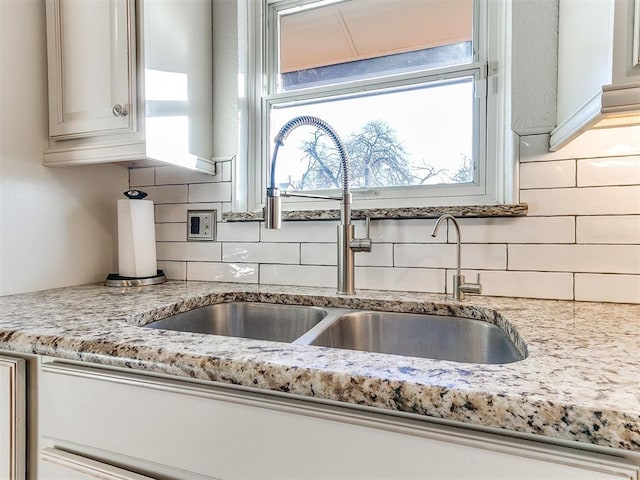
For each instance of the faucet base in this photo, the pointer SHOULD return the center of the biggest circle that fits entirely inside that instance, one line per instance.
(457, 293)
(346, 260)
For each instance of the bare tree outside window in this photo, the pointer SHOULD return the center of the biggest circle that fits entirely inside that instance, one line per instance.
(378, 159)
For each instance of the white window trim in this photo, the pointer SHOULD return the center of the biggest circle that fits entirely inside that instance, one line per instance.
(500, 185)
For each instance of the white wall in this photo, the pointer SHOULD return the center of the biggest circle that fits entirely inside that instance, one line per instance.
(534, 64)
(57, 226)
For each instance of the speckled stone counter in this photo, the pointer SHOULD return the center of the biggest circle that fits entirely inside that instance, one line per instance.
(580, 381)
(464, 211)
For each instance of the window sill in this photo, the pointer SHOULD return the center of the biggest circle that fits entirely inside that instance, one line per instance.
(462, 211)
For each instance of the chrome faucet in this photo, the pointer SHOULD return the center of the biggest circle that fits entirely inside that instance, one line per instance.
(459, 286)
(347, 244)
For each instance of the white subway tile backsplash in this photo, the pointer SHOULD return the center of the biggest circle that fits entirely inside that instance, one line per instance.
(177, 212)
(551, 285)
(479, 256)
(623, 229)
(209, 192)
(261, 252)
(609, 171)
(597, 143)
(171, 232)
(238, 231)
(141, 177)
(301, 232)
(608, 288)
(555, 174)
(318, 254)
(400, 279)
(167, 194)
(576, 258)
(581, 235)
(173, 270)
(178, 175)
(302, 275)
(605, 142)
(194, 251)
(223, 272)
(535, 148)
(420, 255)
(171, 212)
(405, 231)
(517, 230)
(583, 201)
(381, 255)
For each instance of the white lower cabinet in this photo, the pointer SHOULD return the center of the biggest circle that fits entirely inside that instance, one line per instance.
(12, 418)
(101, 423)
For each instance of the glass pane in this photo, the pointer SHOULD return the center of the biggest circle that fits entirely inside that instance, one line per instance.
(419, 135)
(359, 39)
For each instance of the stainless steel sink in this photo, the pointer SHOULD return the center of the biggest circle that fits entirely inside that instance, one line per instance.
(413, 335)
(260, 321)
(429, 336)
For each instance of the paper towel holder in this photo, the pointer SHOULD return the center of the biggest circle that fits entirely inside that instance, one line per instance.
(116, 280)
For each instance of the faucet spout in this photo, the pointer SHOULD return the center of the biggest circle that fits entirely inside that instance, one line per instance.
(458, 246)
(273, 204)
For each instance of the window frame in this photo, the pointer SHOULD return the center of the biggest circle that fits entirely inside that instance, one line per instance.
(495, 143)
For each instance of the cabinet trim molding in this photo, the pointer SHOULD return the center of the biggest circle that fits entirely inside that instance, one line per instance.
(103, 153)
(87, 466)
(12, 418)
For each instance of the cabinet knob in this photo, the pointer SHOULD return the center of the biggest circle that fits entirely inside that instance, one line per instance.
(119, 111)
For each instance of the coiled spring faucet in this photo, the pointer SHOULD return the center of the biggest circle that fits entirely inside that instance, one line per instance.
(459, 285)
(347, 244)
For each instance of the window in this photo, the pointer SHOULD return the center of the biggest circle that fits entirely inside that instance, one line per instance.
(410, 86)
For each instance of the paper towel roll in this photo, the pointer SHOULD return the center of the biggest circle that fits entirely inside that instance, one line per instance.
(136, 239)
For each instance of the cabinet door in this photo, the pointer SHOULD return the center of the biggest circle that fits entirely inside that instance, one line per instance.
(58, 464)
(91, 64)
(12, 419)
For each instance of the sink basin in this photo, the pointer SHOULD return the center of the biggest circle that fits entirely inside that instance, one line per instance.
(408, 334)
(260, 321)
(428, 336)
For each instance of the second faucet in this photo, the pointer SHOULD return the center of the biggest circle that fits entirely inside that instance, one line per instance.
(459, 285)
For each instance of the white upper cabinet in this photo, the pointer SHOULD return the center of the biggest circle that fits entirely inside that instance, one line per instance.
(92, 70)
(598, 67)
(130, 80)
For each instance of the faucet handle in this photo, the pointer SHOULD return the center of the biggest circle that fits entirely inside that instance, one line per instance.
(363, 244)
(470, 287)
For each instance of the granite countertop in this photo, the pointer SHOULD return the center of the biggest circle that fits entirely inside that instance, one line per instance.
(458, 211)
(580, 381)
